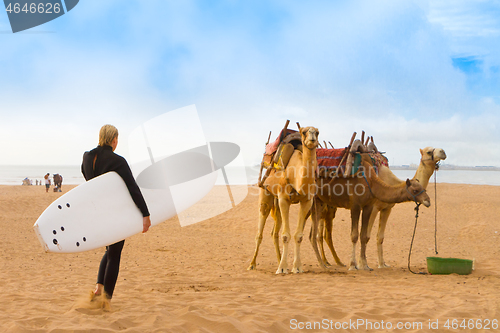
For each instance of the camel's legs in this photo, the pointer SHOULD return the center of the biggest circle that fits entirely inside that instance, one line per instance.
(371, 222)
(365, 218)
(266, 201)
(284, 205)
(309, 212)
(321, 228)
(328, 233)
(276, 214)
(305, 207)
(355, 212)
(384, 216)
(316, 211)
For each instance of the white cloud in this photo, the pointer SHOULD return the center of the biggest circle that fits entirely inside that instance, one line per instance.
(467, 18)
(378, 66)
(472, 27)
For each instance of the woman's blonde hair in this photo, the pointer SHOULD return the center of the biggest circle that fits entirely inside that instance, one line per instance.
(107, 134)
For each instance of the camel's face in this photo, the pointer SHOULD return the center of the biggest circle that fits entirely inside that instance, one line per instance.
(309, 137)
(434, 155)
(417, 192)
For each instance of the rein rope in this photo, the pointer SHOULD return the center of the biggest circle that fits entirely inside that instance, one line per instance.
(416, 220)
(417, 207)
(366, 180)
(435, 209)
(413, 237)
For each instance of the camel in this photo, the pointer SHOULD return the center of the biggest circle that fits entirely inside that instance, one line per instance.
(358, 193)
(295, 184)
(428, 163)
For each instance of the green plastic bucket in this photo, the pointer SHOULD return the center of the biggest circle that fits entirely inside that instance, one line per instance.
(437, 265)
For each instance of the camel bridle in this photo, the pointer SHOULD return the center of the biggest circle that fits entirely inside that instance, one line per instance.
(415, 196)
(315, 139)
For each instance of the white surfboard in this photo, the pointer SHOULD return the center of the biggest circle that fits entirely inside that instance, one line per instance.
(101, 211)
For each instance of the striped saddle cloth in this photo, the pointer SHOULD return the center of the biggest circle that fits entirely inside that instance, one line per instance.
(330, 158)
(329, 161)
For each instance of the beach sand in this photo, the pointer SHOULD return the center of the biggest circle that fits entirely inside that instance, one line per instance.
(195, 278)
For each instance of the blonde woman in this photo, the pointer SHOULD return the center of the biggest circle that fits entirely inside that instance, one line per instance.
(96, 162)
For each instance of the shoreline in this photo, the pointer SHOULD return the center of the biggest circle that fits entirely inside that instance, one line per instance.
(72, 176)
(431, 183)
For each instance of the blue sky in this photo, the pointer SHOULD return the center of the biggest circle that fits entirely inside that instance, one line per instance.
(410, 73)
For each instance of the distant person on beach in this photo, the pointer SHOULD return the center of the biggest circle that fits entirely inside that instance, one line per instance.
(96, 162)
(58, 182)
(47, 182)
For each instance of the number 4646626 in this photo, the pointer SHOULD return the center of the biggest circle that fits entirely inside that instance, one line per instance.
(33, 8)
(470, 324)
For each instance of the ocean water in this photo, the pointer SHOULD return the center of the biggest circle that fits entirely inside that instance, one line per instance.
(14, 175)
(442, 176)
(475, 177)
(72, 175)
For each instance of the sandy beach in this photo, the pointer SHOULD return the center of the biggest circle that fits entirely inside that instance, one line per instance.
(195, 279)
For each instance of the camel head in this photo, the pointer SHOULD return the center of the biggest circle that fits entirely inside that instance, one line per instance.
(432, 155)
(416, 192)
(309, 137)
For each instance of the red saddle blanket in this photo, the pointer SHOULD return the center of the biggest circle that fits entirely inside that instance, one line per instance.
(379, 159)
(273, 146)
(330, 158)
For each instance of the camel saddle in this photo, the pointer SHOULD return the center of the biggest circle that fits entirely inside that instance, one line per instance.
(279, 152)
(379, 159)
(329, 161)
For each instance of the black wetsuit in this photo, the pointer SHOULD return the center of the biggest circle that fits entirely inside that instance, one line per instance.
(95, 163)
